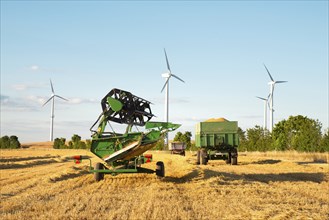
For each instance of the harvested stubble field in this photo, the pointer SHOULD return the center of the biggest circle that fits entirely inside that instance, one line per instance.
(42, 184)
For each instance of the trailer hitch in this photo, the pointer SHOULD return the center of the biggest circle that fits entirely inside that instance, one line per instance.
(78, 158)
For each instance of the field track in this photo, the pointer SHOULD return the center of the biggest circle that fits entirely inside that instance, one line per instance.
(41, 184)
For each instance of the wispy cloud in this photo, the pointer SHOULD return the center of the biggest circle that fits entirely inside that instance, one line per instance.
(27, 86)
(161, 100)
(82, 101)
(71, 101)
(16, 104)
(33, 103)
(4, 98)
(34, 68)
(251, 116)
(37, 99)
(188, 119)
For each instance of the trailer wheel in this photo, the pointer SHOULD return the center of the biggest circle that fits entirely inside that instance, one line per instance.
(198, 157)
(229, 158)
(234, 160)
(204, 157)
(160, 170)
(99, 176)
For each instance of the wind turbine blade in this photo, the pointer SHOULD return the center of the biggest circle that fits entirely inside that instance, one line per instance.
(48, 100)
(268, 100)
(268, 73)
(61, 98)
(52, 88)
(165, 84)
(261, 98)
(281, 81)
(177, 78)
(168, 67)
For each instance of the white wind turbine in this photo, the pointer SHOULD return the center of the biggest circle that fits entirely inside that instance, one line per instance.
(265, 109)
(167, 76)
(52, 116)
(272, 84)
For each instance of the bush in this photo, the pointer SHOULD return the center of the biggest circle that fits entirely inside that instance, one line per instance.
(74, 143)
(59, 143)
(11, 142)
(297, 133)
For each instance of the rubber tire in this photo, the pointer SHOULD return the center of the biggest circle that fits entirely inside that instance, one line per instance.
(229, 159)
(234, 160)
(203, 157)
(160, 170)
(99, 176)
(198, 157)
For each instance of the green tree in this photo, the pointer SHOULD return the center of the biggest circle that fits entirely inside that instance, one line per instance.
(186, 138)
(56, 144)
(4, 142)
(82, 145)
(297, 133)
(324, 144)
(178, 136)
(14, 143)
(88, 144)
(76, 139)
(280, 138)
(258, 139)
(59, 143)
(242, 140)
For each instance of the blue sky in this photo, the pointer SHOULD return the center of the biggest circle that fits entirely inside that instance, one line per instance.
(218, 48)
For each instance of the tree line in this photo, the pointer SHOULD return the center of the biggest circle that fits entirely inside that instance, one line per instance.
(298, 133)
(74, 143)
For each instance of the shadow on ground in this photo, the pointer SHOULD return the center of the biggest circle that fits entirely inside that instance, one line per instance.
(20, 159)
(200, 175)
(269, 161)
(31, 164)
(69, 176)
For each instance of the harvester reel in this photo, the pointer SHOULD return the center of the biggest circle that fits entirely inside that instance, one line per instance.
(125, 108)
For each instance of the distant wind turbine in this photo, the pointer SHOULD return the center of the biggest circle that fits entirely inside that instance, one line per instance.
(52, 116)
(272, 84)
(265, 109)
(167, 76)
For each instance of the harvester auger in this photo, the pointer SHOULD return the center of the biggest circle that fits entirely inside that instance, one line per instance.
(122, 153)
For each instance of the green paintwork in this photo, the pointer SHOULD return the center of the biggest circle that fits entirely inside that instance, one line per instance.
(103, 145)
(116, 105)
(216, 134)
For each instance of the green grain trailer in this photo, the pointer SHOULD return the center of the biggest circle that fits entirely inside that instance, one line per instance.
(217, 140)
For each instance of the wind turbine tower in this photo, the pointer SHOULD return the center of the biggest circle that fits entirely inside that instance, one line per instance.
(52, 116)
(167, 75)
(265, 110)
(272, 84)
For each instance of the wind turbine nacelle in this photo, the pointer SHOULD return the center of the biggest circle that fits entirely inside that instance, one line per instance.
(165, 75)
